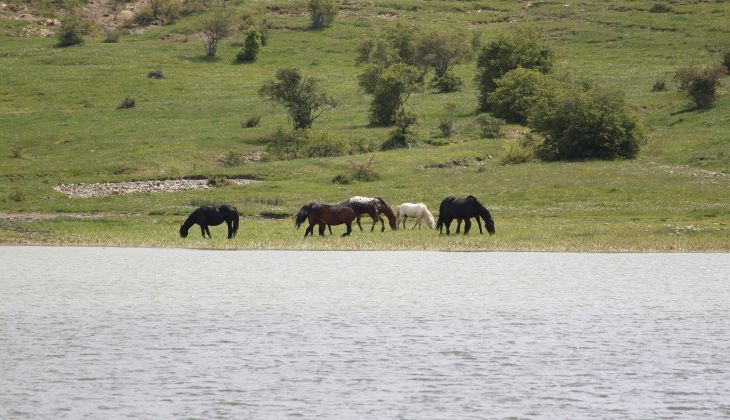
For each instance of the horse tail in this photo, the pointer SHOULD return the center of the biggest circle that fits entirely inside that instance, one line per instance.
(302, 215)
(235, 221)
(442, 214)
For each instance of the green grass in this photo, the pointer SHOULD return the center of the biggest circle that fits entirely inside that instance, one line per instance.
(59, 124)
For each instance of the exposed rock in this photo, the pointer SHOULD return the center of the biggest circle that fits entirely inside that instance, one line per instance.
(132, 187)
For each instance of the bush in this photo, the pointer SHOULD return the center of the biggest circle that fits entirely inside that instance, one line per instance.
(401, 136)
(127, 102)
(156, 74)
(587, 124)
(447, 83)
(726, 58)
(440, 52)
(251, 46)
(71, 32)
(341, 179)
(251, 122)
(364, 171)
(508, 52)
(217, 181)
(518, 92)
(144, 16)
(111, 35)
(322, 12)
(215, 28)
(446, 121)
(521, 152)
(231, 159)
(363, 145)
(390, 87)
(490, 126)
(18, 196)
(700, 83)
(659, 86)
(660, 8)
(321, 144)
(304, 97)
(166, 11)
(284, 144)
(264, 28)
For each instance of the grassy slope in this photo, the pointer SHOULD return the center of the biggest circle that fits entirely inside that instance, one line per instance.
(58, 107)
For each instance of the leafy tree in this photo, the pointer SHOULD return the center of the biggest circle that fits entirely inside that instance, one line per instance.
(304, 97)
(215, 28)
(508, 52)
(322, 12)
(398, 44)
(587, 124)
(441, 51)
(519, 91)
(71, 32)
(251, 46)
(700, 83)
(390, 87)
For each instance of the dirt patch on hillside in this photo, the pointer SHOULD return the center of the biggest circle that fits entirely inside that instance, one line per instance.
(132, 187)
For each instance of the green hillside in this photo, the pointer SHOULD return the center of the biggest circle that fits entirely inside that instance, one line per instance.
(59, 124)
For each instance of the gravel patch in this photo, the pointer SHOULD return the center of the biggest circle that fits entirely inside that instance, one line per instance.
(132, 187)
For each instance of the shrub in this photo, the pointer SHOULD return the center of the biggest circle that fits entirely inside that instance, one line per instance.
(660, 8)
(156, 74)
(587, 124)
(390, 87)
(363, 145)
(144, 16)
(251, 46)
(111, 35)
(18, 196)
(440, 52)
(726, 58)
(215, 28)
(490, 126)
(284, 144)
(127, 102)
(521, 152)
(304, 97)
(341, 179)
(231, 159)
(398, 45)
(218, 181)
(264, 28)
(16, 152)
(659, 86)
(401, 136)
(518, 92)
(446, 121)
(71, 32)
(166, 11)
(321, 144)
(700, 83)
(508, 52)
(322, 12)
(251, 122)
(364, 171)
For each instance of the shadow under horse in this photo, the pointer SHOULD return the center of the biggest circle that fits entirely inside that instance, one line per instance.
(325, 215)
(463, 209)
(373, 207)
(212, 216)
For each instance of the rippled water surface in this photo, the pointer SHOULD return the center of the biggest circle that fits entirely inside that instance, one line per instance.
(150, 333)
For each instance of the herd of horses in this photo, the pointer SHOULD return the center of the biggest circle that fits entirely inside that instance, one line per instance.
(324, 216)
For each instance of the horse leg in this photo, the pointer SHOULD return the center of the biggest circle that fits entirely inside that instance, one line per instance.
(382, 223)
(479, 223)
(448, 226)
(321, 229)
(207, 229)
(330, 228)
(358, 223)
(404, 221)
(202, 230)
(349, 229)
(458, 225)
(467, 226)
(230, 229)
(309, 230)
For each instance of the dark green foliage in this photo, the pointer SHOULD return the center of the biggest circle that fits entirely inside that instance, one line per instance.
(490, 126)
(341, 179)
(700, 83)
(71, 32)
(398, 45)
(215, 28)
(252, 121)
(726, 58)
(251, 46)
(128, 102)
(156, 74)
(659, 86)
(295, 144)
(508, 52)
(446, 122)
(518, 92)
(390, 87)
(284, 144)
(111, 36)
(321, 144)
(660, 8)
(402, 135)
(364, 172)
(231, 159)
(587, 124)
(322, 12)
(304, 97)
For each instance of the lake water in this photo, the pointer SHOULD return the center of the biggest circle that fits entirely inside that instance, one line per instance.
(155, 333)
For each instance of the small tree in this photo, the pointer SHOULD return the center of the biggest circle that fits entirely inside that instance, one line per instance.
(304, 97)
(508, 52)
(71, 31)
(700, 83)
(322, 12)
(215, 29)
(519, 91)
(587, 124)
(251, 46)
(440, 52)
(390, 87)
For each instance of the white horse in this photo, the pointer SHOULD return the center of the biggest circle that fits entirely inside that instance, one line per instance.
(419, 211)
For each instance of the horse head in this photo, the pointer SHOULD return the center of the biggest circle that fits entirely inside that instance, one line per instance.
(489, 224)
(184, 231)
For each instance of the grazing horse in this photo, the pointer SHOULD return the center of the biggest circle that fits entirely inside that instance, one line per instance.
(374, 207)
(418, 211)
(325, 215)
(212, 216)
(463, 209)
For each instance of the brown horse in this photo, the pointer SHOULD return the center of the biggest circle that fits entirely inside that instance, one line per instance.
(325, 215)
(368, 205)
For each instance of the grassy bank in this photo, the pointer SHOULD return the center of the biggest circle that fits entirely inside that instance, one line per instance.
(59, 124)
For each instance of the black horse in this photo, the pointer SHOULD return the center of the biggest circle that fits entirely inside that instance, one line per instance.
(212, 216)
(463, 209)
(370, 205)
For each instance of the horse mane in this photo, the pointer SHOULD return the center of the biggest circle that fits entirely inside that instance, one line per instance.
(303, 214)
(189, 221)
